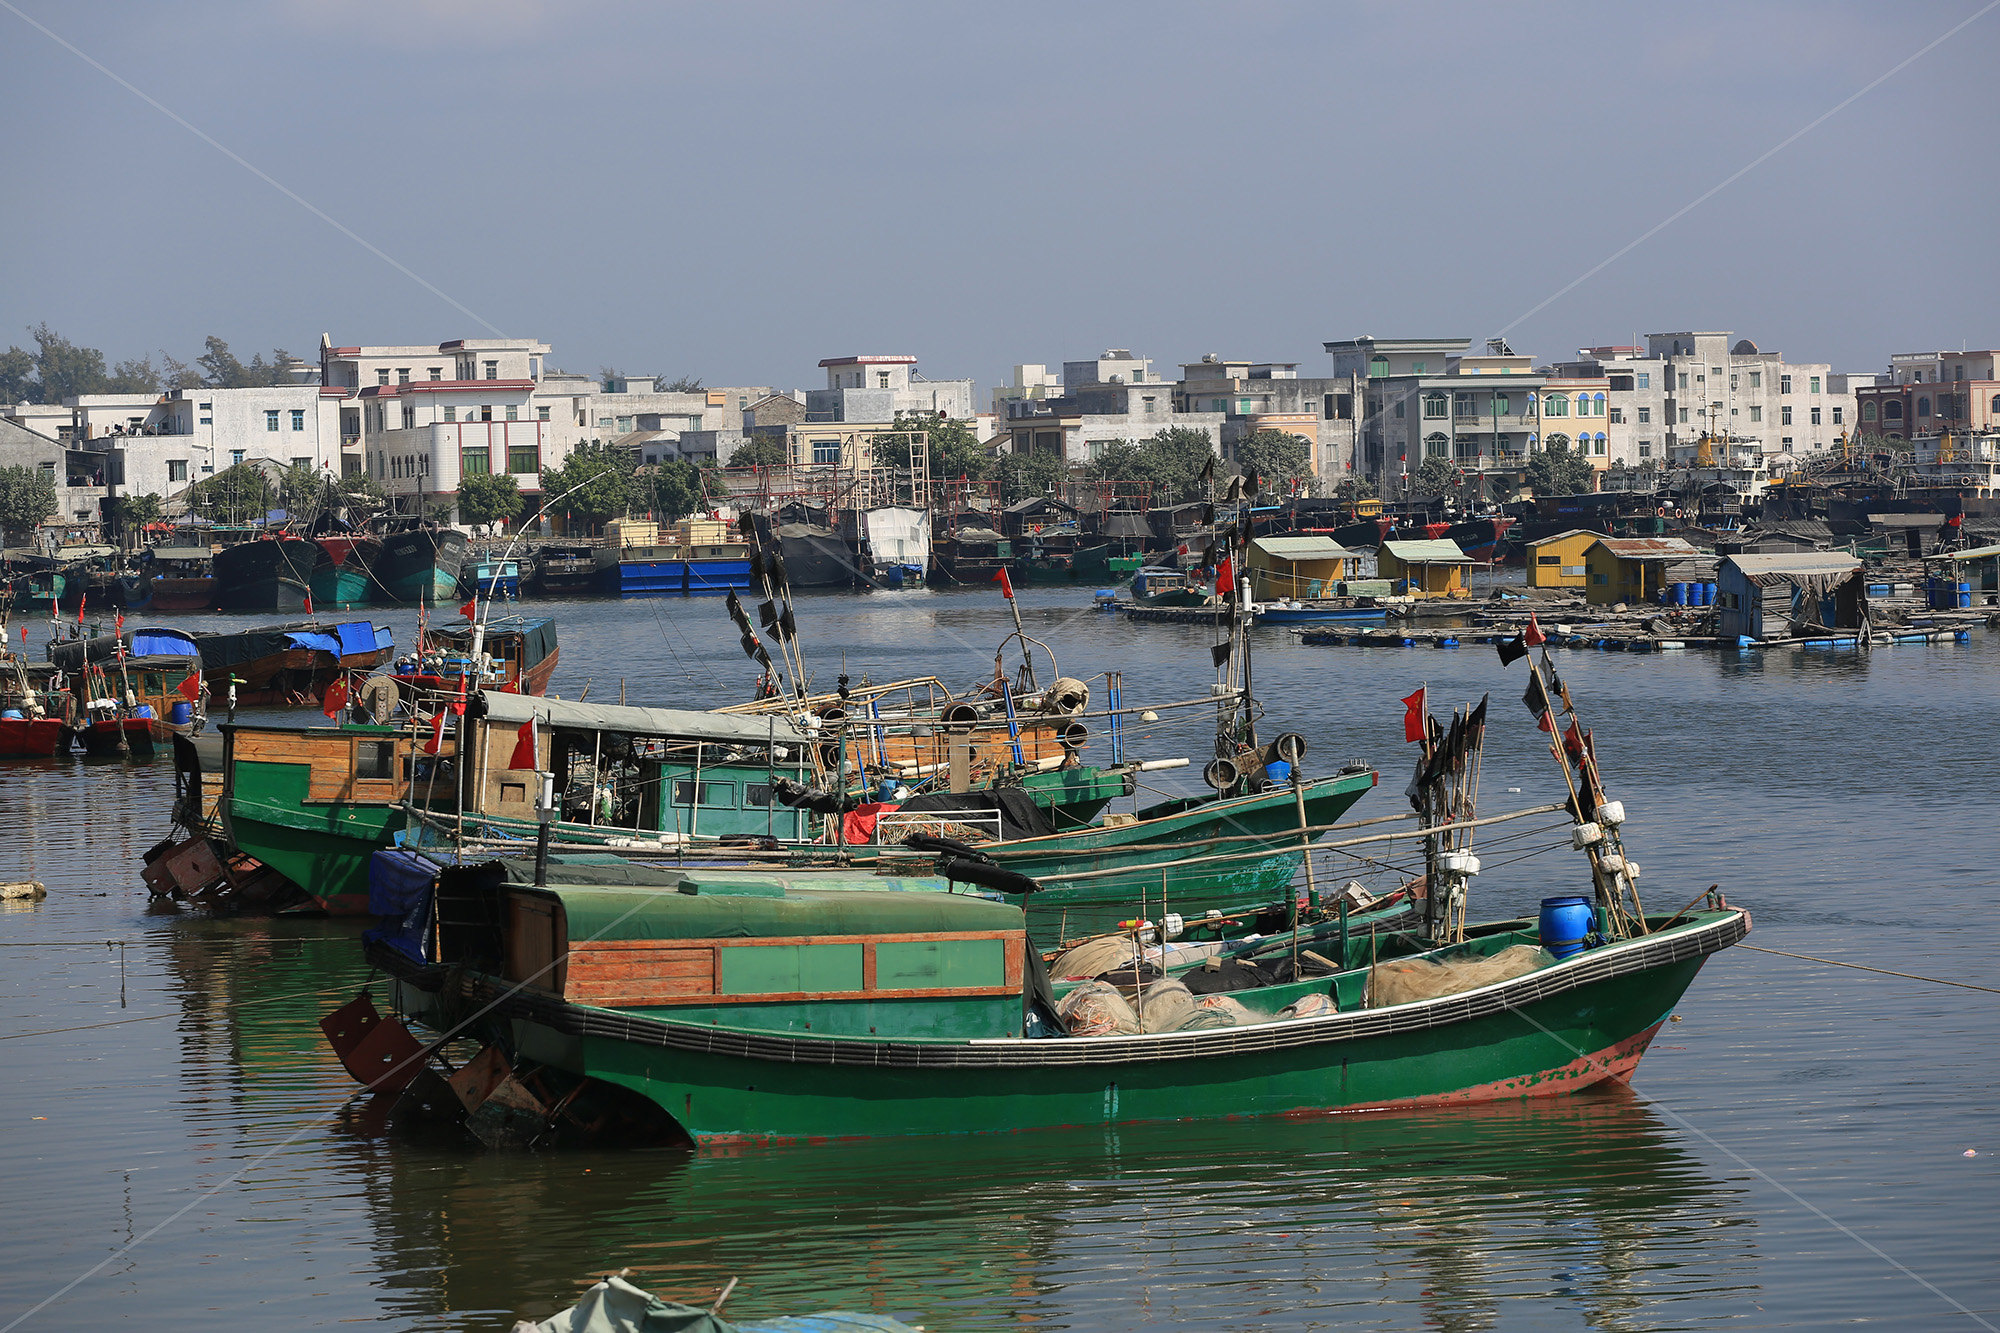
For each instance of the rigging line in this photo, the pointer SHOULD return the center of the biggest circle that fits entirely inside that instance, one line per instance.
(1907, 976)
(258, 172)
(1750, 166)
(1688, 1124)
(176, 1013)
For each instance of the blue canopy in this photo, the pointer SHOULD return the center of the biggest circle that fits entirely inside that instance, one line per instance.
(325, 643)
(154, 642)
(399, 893)
(358, 636)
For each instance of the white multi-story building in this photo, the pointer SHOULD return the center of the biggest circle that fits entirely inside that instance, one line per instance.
(1684, 385)
(1113, 397)
(869, 390)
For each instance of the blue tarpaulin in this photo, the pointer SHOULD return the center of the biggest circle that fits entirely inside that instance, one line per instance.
(163, 643)
(358, 636)
(399, 895)
(325, 643)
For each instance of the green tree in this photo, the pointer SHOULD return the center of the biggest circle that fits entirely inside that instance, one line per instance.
(1354, 489)
(1437, 476)
(1557, 471)
(598, 482)
(133, 377)
(685, 384)
(489, 497)
(762, 451)
(64, 370)
(176, 374)
(1277, 457)
(27, 496)
(1172, 462)
(952, 446)
(1116, 460)
(17, 377)
(131, 513)
(221, 370)
(1022, 476)
(238, 494)
(674, 489)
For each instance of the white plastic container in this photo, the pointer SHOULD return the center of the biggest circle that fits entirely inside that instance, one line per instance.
(1611, 813)
(1585, 835)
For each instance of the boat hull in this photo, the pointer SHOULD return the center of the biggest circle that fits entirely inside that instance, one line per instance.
(1551, 1032)
(124, 735)
(183, 594)
(30, 738)
(420, 566)
(340, 581)
(273, 575)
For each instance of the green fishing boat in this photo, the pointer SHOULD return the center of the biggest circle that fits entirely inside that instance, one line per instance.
(749, 1010)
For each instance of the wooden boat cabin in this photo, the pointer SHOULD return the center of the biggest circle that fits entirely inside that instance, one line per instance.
(646, 771)
(520, 653)
(835, 954)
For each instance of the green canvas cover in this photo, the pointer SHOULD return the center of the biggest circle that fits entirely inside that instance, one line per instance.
(753, 909)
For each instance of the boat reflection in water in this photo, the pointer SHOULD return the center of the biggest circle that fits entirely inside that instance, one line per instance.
(1588, 1201)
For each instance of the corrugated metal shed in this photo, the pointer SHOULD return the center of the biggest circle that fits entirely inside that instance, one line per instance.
(1648, 548)
(1788, 562)
(1560, 536)
(1304, 548)
(1439, 551)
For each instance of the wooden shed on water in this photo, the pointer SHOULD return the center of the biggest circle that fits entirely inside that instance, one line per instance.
(1787, 596)
(1296, 566)
(1630, 569)
(1434, 568)
(1557, 561)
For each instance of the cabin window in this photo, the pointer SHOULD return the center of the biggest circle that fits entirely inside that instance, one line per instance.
(756, 793)
(375, 760)
(712, 793)
(791, 969)
(939, 964)
(1548, 560)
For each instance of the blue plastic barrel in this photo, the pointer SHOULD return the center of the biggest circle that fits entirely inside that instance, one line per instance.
(181, 713)
(13, 715)
(1680, 593)
(143, 710)
(1564, 924)
(1278, 771)
(1964, 595)
(1708, 594)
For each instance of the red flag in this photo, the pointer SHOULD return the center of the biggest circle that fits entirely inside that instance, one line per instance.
(309, 603)
(1225, 577)
(1533, 634)
(1573, 740)
(1006, 584)
(81, 602)
(470, 610)
(336, 697)
(190, 689)
(119, 620)
(458, 703)
(526, 752)
(1413, 715)
(436, 742)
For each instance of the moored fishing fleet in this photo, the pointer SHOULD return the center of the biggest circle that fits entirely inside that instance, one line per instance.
(893, 907)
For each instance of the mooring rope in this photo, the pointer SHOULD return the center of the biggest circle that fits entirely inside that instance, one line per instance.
(1907, 976)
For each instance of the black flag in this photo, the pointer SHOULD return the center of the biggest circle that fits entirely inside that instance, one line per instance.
(1475, 721)
(787, 627)
(1220, 651)
(1512, 650)
(750, 645)
(767, 614)
(1536, 700)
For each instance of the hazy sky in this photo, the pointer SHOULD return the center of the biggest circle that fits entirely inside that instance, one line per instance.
(736, 190)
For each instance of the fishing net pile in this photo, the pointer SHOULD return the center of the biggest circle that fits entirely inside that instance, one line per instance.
(1408, 980)
(1100, 1009)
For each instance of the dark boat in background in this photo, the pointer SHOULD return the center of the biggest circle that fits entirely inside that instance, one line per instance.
(128, 691)
(183, 579)
(270, 573)
(815, 556)
(342, 577)
(565, 570)
(971, 555)
(420, 564)
(290, 665)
